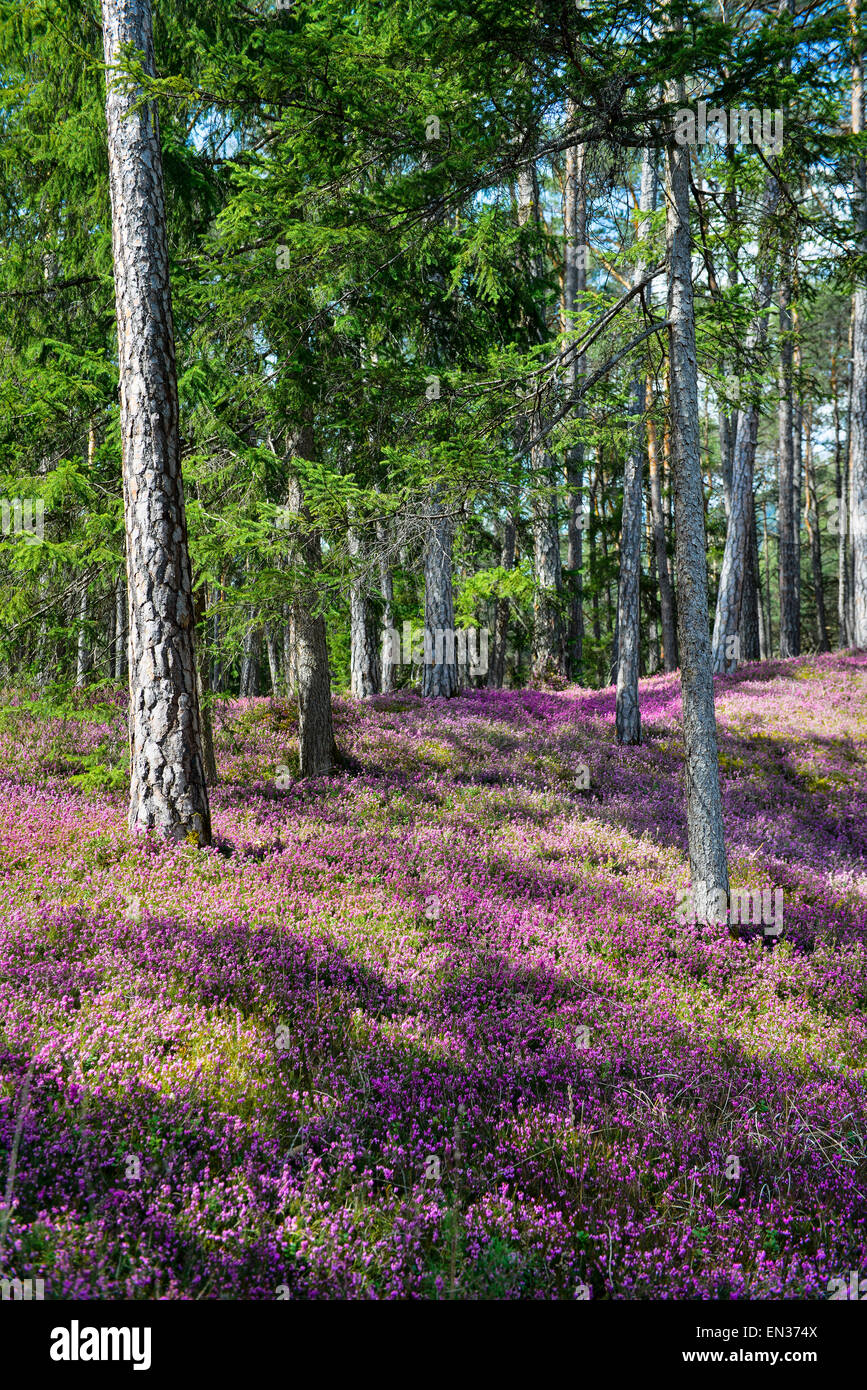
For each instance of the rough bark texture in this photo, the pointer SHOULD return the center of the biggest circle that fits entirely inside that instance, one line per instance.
(440, 671)
(317, 750)
(749, 629)
(787, 519)
(737, 563)
(364, 652)
(167, 785)
(707, 856)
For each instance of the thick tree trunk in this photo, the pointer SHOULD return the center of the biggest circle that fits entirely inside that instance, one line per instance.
(440, 671)
(737, 556)
(364, 653)
(811, 516)
(787, 519)
(168, 792)
(317, 749)
(707, 855)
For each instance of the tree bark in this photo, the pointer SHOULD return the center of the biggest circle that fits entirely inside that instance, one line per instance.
(502, 608)
(317, 750)
(858, 424)
(811, 516)
(737, 556)
(439, 671)
(574, 289)
(666, 598)
(364, 653)
(549, 660)
(167, 792)
(627, 712)
(120, 634)
(707, 855)
(204, 686)
(386, 589)
(787, 520)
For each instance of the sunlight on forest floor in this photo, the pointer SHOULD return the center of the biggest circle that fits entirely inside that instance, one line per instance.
(431, 1029)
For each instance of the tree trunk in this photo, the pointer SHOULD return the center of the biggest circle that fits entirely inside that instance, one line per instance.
(120, 634)
(627, 713)
(386, 589)
(440, 671)
(168, 792)
(812, 522)
(548, 645)
(204, 686)
(251, 652)
(858, 425)
(364, 654)
(497, 671)
(737, 556)
(82, 656)
(787, 520)
(317, 750)
(666, 600)
(574, 289)
(707, 855)
(272, 648)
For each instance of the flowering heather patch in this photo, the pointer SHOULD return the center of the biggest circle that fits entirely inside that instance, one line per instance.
(431, 1029)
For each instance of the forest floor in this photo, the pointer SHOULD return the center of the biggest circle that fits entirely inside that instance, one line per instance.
(431, 1029)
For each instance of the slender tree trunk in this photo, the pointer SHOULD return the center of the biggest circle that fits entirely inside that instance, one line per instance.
(841, 492)
(574, 289)
(204, 686)
(627, 712)
(272, 649)
(290, 655)
(120, 634)
(707, 855)
(858, 419)
(497, 670)
(251, 650)
(666, 600)
(787, 521)
(737, 556)
(812, 522)
(440, 671)
(82, 655)
(548, 638)
(386, 589)
(364, 654)
(749, 630)
(168, 791)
